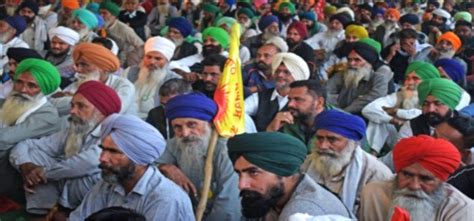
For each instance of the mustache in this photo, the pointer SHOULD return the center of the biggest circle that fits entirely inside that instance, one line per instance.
(419, 194)
(22, 97)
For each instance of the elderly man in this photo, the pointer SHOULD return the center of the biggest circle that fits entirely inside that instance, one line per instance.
(35, 34)
(26, 113)
(158, 16)
(152, 72)
(268, 25)
(338, 161)
(446, 46)
(62, 40)
(63, 167)
(437, 25)
(84, 22)
(419, 191)
(390, 26)
(179, 29)
(185, 155)
(129, 148)
(271, 186)
(325, 42)
(10, 28)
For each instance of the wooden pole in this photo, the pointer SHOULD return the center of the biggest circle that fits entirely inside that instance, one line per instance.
(207, 175)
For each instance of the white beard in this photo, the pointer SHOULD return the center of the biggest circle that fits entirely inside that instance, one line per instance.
(330, 34)
(16, 104)
(82, 78)
(447, 54)
(410, 99)
(4, 37)
(177, 42)
(149, 78)
(83, 33)
(329, 163)
(352, 77)
(193, 151)
(163, 9)
(268, 34)
(76, 134)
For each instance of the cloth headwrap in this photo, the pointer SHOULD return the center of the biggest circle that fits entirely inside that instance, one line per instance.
(110, 6)
(71, 4)
(20, 54)
(103, 97)
(295, 64)
(46, 75)
(347, 11)
(86, 17)
(466, 16)
(366, 6)
(393, 12)
(434, 2)
(410, 19)
(17, 22)
(162, 45)
(278, 42)
(67, 35)
(93, 7)
(423, 70)
(29, 4)
(436, 155)
(451, 37)
(266, 21)
(182, 24)
(329, 10)
(289, 5)
(453, 68)
(227, 21)
(373, 43)
(211, 8)
(246, 11)
(347, 125)
(270, 151)
(308, 15)
(300, 27)
(444, 90)
(97, 55)
(442, 13)
(364, 50)
(378, 11)
(357, 30)
(218, 34)
(192, 105)
(140, 141)
(344, 18)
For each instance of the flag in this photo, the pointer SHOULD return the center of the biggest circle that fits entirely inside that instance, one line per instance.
(229, 94)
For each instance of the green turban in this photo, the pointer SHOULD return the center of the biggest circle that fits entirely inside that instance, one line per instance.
(246, 11)
(113, 8)
(446, 91)
(466, 16)
(288, 5)
(46, 75)
(228, 21)
(424, 70)
(373, 43)
(211, 8)
(274, 152)
(218, 34)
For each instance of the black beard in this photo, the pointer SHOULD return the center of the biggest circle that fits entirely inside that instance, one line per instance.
(302, 117)
(255, 205)
(211, 49)
(262, 66)
(284, 18)
(28, 19)
(121, 174)
(291, 43)
(435, 119)
(62, 54)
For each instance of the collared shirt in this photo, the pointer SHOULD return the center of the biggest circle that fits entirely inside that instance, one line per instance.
(251, 103)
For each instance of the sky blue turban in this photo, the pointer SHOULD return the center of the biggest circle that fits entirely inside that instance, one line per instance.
(347, 125)
(192, 105)
(140, 141)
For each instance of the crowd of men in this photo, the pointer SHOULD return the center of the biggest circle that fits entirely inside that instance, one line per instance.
(354, 110)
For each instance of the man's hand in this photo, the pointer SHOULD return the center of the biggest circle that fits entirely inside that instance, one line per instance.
(190, 77)
(394, 49)
(175, 174)
(32, 176)
(392, 111)
(397, 122)
(280, 120)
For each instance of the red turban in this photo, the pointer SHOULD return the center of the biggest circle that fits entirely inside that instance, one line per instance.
(104, 98)
(300, 27)
(438, 156)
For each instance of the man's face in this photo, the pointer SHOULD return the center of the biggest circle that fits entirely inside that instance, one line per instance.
(355, 61)
(6, 32)
(390, 18)
(210, 46)
(154, 60)
(415, 177)
(190, 130)
(407, 25)
(108, 17)
(85, 67)
(243, 19)
(437, 20)
(12, 64)
(309, 24)
(265, 56)
(435, 111)
(335, 25)
(283, 77)
(293, 37)
(81, 108)
(260, 190)
(444, 46)
(351, 38)
(116, 166)
(365, 15)
(445, 131)
(464, 33)
(302, 105)
(58, 46)
(408, 44)
(28, 14)
(175, 35)
(165, 98)
(131, 5)
(26, 84)
(330, 143)
(273, 29)
(210, 76)
(412, 81)
(77, 25)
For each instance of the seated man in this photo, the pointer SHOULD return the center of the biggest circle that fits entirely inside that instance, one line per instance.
(459, 130)
(185, 155)
(271, 186)
(62, 167)
(129, 148)
(212, 68)
(338, 161)
(422, 164)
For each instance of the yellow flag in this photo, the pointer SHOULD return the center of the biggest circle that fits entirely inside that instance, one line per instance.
(229, 94)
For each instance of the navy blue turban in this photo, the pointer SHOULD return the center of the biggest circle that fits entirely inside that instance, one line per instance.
(193, 105)
(266, 21)
(410, 19)
(17, 22)
(453, 68)
(182, 24)
(32, 5)
(347, 125)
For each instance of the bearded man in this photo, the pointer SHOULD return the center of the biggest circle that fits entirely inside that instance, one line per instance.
(185, 155)
(446, 47)
(35, 34)
(84, 22)
(384, 31)
(63, 167)
(10, 28)
(158, 16)
(286, 14)
(338, 161)
(325, 42)
(179, 29)
(268, 25)
(419, 191)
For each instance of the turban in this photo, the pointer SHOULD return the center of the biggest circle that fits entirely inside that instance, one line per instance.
(300, 27)
(140, 141)
(452, 38)
(93, 7)
(218, 34)
(211, 8)
(427, 16)
(393, 12)
(442, 13)
(278, 42)
(308, 15)
(329, 10)
(20, 54)
(434, 2)
(346, 11)
(275, 152)
(436, 155)
(266, 21)
(97, 55)
(161, 45)
(110, 6)
(259, 3)
(410, 19)
(294, 63)
(364, 50)
(71, 4)
(444, 90)
(182, 24)
(17, 22)
(67, 35)
(29, 4)
(378, 11)
(46, 75)
(423, 70)
(225, 20)
(366, 7)
(357, 30)
(373, 43)
(343, 18)
(466, 16)
(289, 5)
(86, 17)
(246, 11)
(103, 97)
(453, 68)
(193, 105)
(345, 124)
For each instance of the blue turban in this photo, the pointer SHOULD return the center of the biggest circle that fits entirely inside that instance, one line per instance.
(182, 24)
(410, 19)
(140, 141)
(193, 105)
(347, 125)
(453, 68)
(378, 11)
(17, 22)
(308, 15)
(266, 21)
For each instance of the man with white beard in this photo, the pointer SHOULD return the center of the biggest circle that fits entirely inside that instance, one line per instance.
(338, 161)
(390, 26)
(419, 191)
(325, 42)
(185, 155)
(62, 167)
(10, 28)
(158, 16)
(179, 29)
(446, 47)
(269, 27)
(152, 72)
(83, 22)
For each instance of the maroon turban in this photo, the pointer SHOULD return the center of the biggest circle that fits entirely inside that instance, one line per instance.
(300, 27)
(438, 156)
(104, 98)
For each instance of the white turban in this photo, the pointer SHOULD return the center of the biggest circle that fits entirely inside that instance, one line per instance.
(295, 64)
(162, 45)
(67, 35)
(279, 43)
(442, 13)
(346, 10)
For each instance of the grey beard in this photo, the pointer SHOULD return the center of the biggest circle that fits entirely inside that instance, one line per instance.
(5, 37)
(267, 35)
(446, 54)
(15, 105)
(410, 99)
(352, 77)
(150, 78)
(330, 163)
(77, 132)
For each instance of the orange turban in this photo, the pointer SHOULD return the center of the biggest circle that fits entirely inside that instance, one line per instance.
(438, 156)
(451, 37)
(97, 55)
(71, 4)
(393, 12)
